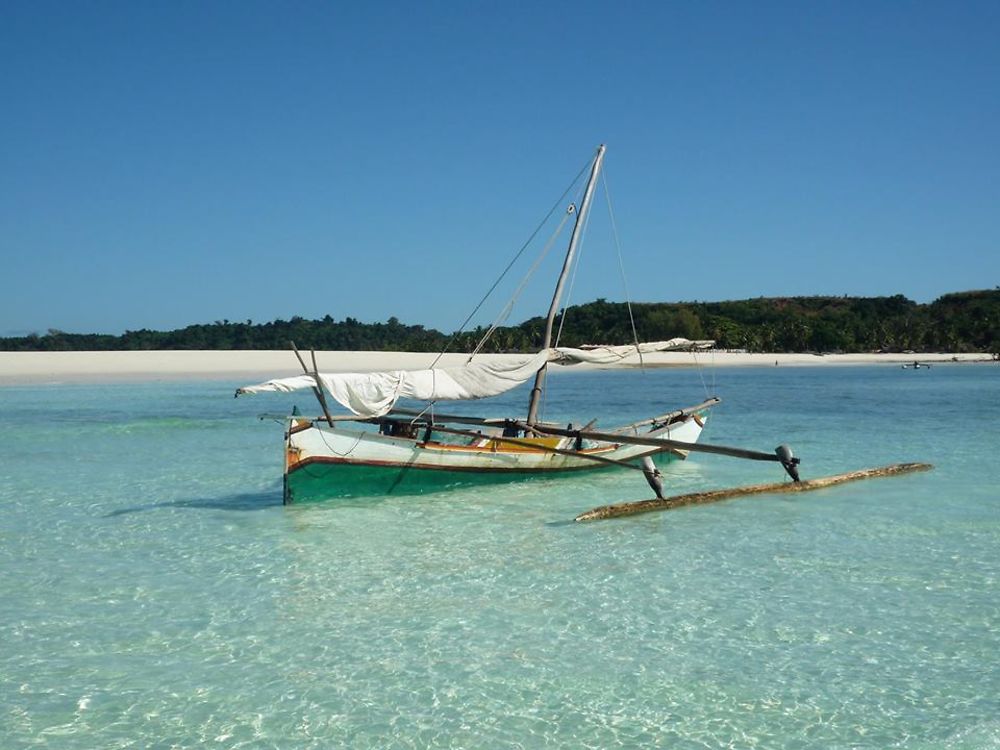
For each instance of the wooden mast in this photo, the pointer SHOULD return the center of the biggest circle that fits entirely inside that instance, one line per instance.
(581, 215)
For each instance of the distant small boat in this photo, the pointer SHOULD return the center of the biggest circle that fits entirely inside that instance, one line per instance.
(917, 366)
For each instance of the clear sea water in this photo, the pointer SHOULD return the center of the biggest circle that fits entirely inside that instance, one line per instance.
(156, 594)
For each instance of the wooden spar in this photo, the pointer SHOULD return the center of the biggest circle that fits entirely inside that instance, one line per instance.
(542, 448)
(445, 418)
(669, 416)
(712, 496)
(297, 417)
(614, 437)
(317, 389)
(663, 418)
(619, 436)
(588, 194)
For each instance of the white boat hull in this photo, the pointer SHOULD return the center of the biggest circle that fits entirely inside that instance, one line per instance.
(327, 462)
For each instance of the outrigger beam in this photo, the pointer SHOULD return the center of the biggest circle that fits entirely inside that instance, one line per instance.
(497, 422)
(666, 443)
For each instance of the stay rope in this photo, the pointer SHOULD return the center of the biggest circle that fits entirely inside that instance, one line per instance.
(628, 300)
(621, 266)
(542, 223)
(509, 307)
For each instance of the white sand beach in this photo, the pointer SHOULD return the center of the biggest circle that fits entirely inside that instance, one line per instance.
(27, 368)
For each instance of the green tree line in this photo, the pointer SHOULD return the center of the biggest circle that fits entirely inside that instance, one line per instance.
(959, 322)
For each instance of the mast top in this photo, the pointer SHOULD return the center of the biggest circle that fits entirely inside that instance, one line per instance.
(581, 215)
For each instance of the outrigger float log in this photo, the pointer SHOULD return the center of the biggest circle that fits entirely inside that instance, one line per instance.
(712, 496)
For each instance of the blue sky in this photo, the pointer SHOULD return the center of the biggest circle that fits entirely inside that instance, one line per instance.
(163, 164)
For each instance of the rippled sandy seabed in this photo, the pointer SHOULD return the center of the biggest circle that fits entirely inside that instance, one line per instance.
(155, 592)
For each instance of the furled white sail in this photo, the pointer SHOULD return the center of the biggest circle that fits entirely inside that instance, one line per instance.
(372, 394)
(609, 355)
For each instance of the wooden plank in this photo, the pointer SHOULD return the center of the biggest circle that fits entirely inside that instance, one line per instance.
(711, 496)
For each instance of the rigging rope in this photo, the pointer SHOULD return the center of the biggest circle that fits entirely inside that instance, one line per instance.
(628, 300)
(505, 313)
(514, 260)
(621, 265)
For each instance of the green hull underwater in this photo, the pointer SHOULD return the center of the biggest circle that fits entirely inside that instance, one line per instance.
(317, 482)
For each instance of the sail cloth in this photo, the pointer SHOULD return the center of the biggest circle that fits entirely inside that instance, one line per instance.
(373, 394)
(610, 355)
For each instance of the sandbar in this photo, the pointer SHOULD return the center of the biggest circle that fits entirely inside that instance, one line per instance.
(35, 368)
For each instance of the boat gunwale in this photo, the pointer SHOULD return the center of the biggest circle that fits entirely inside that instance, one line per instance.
(418, 447)
(535, 470)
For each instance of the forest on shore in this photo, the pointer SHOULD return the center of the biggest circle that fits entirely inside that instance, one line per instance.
(958, 322)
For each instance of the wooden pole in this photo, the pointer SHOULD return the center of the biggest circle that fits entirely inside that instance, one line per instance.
(663, 419)
(574, 239)
(317, 389)
(656, 442)
(712, 496)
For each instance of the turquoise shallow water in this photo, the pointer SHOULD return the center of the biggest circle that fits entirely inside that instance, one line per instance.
(155, 593)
